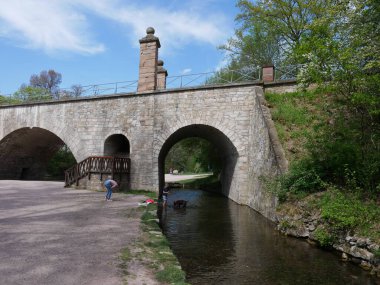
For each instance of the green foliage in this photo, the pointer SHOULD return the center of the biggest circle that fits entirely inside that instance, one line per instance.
(301, 179)
(345, 147)
(377, 253)
(345, 56)
(288, 113)
(31, 94)
(324, 238)
(193, 155)
(62, 160)
(4, 100)
(295, 115)
(347, 210)
(325, 143)
(285, 225)
(270, 32)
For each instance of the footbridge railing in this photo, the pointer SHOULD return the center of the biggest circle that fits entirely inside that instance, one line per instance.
(103, 165)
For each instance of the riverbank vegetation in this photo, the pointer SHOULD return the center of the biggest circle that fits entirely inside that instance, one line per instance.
(330, 128)
(152, 250)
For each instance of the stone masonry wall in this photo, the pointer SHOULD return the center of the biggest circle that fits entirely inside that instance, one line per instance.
(149, 119)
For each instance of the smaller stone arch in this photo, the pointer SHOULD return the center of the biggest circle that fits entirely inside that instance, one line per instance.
(117, 145)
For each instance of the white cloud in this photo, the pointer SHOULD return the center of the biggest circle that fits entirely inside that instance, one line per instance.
(186, 71)
(47, 25)
(175, 28)
(54, 25)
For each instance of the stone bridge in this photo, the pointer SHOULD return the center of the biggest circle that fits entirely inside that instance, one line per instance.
(145, 125)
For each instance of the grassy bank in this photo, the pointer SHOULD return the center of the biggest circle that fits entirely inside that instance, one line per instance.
(324, 145)
(152, 250)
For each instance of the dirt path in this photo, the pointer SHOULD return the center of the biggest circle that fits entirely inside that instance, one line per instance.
(53, 235)
(179, 177)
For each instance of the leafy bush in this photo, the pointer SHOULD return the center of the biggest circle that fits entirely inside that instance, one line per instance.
(300, 180)
(347, 210)
(324, 238)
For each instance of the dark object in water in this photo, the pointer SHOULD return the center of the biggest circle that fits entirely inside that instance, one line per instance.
(178, 203)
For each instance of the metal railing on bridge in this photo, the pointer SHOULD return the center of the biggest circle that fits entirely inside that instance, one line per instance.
(247, 74)
(287, 72)
(252, 74)
(103, 165)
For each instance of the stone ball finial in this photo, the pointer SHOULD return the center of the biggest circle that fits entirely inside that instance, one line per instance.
(160, 62)
(150, 31)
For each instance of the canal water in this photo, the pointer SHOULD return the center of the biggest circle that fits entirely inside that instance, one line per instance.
(220, 242)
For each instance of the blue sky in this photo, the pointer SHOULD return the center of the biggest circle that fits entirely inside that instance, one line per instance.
(97, 41)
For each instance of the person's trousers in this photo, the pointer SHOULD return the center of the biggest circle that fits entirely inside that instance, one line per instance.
(109, 192)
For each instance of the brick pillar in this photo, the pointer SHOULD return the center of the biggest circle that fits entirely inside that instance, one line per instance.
(268, 73)
(161, 75)
(149, 46)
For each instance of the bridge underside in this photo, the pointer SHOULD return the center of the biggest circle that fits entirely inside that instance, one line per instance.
(25, 153)
(226, 151)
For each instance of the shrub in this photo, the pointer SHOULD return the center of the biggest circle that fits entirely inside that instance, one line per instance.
(324, 238)
(347, 210)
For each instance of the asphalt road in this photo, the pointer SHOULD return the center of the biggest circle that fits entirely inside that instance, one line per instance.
(53, 235)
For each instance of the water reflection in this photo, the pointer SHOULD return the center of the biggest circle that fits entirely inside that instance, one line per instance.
(220, 242)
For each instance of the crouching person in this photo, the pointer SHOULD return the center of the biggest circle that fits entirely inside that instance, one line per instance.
(109, 184)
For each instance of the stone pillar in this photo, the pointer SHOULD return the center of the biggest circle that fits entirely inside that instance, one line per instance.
(161, 75)
(268, 73)
(149, 46)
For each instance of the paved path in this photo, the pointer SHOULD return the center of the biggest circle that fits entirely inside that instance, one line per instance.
(53, 235)
(179, 177)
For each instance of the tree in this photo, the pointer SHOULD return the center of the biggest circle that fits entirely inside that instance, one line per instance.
(77, 90)
(252, 46)
(48, 80)
(30, 93)
(193, 155)
(342, 52)
(271, 30)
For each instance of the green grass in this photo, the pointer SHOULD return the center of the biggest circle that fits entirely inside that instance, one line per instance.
(299, 118)
(296, 116)
(172, 275)
(152, 248)
(348, 211)
(125, 258)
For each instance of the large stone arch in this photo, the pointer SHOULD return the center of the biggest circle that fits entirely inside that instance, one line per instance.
(24, 152)
(229, 153)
